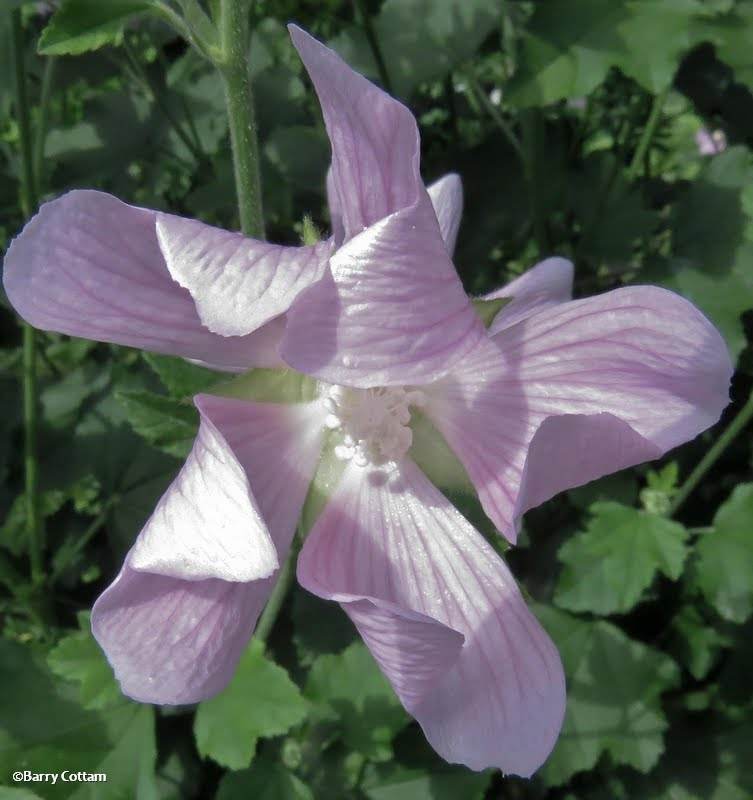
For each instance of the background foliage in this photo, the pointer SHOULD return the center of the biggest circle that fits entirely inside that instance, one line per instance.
(573, 125)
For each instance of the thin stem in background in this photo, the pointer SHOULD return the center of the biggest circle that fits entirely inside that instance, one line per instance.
(40, 132)
(532, 129)
(141, 74)
(277, 599)
(483, 100)
(363, 13)
(233, 67)
(722, 443)
(28, 204)
(648, 134)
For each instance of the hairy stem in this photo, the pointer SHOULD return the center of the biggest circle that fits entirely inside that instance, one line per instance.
(240, 111)
(28, 204)
(722, 443)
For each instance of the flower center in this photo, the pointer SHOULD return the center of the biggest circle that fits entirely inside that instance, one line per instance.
(374, 422)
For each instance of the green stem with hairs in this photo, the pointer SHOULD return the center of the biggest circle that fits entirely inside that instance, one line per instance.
(704, 465)
(233, 67)
(28, 204)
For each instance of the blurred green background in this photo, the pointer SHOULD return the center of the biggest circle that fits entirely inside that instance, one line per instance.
(614, 132)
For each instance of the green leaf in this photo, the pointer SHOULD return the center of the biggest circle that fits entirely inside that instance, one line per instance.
(609, 565)
(265, 780)
(614, 688)
(165, 422)
(13, 529)
(181, 378)
(568, 48)
(350, 687)
(706, 759)
(614, 221)
(695, 641)
(129, 764)
(621, 486)
(62, 401)
(712, 263)
(81, 25)
(731, 35)
(421, 40)
(44, 729)
(724, 569)
(722, 296)
(77, 657)
(320, 627)
(393, 781)
(17, 793)
(260, 700)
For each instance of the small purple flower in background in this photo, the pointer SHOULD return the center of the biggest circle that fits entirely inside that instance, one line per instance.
(554, 394)
(710, 143)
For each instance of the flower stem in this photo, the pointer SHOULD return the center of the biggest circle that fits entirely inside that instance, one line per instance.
(279, 593)
(28, 203)
(240, 111)
(648, 134)
(532, 128)
(40, 131)
(728, 436)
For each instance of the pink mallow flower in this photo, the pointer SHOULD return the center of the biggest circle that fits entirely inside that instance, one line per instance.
(555, 393)
(710, 143)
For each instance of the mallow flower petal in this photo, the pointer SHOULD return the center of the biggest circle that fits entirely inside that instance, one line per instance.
(90, 265)
(442, 616)
(580, 390)
(173, 639)
(375, 143)
(237, 283)
(547, 284)
(390, 311)
(208, 523)
(335, 210)
(446, 196)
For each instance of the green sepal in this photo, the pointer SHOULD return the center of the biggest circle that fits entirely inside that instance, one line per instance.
(268, 386)
(488, 309)
(432, 453)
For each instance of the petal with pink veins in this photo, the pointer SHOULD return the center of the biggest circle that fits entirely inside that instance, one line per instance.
(375, 144)
(174, 633)
(442, 616)
(547, 284)
(391, 311)
(89, 265)
(446, 196)
(577, 391)
(237, 283)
